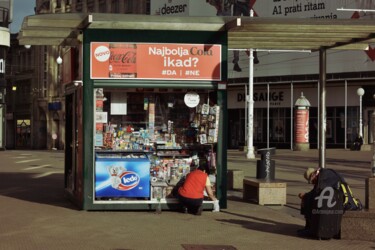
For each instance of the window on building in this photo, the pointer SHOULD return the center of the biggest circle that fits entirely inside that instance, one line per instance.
(277, 125)
(115, 6)
(90, 5)
(129, 6)
(102, 6)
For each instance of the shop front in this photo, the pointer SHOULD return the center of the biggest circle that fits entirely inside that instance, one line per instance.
(151, 107)
(275, 118)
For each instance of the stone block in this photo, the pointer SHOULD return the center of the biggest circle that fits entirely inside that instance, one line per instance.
(264, 192)
(358, 225)
(234, 179)
(370, 193)
(366, 147)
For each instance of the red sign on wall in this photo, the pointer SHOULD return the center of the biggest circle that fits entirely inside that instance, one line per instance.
(155, 61)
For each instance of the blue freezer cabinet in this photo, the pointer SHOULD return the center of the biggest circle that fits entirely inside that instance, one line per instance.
(122, 175)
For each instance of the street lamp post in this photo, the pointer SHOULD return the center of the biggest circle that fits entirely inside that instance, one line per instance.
(250, 133)
(370, 182)
(373, 146)
(360, 93)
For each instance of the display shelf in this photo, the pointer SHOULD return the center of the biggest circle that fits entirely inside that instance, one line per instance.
(115, 151)
(176, 154)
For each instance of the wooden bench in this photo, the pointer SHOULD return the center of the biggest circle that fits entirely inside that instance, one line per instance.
(264, 192)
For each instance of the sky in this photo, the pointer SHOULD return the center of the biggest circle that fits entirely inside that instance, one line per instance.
(21, 8)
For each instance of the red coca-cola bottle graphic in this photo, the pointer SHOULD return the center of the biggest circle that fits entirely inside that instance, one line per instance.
(122, 61)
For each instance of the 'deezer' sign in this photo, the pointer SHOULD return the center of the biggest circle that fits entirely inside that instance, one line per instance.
(155, 61)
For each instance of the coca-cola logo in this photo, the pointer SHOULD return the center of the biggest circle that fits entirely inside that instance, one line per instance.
(102, 53)
(128, 57)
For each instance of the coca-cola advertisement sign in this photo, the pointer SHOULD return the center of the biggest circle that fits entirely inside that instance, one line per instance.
(155, 61)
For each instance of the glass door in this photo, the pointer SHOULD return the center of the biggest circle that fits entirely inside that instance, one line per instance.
(73, 139)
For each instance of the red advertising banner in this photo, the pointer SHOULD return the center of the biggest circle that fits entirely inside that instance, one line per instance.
(155, 61)
(302, 125)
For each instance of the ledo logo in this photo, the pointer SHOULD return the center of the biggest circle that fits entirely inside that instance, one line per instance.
(102, 53)
(129, 180)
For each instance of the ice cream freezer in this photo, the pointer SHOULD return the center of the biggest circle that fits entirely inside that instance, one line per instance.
(121, 176)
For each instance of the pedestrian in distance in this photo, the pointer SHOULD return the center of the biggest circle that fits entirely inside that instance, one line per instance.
(357, 144)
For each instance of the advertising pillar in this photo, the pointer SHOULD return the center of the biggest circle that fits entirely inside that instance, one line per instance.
(301, 124)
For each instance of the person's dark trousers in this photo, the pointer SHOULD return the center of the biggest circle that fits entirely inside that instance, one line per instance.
(306, 208)
(241, 8)
(192, 205)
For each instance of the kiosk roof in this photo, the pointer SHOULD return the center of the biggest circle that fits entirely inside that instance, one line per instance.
(243, 32)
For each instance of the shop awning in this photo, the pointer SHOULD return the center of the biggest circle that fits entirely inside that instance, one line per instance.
(243, 32)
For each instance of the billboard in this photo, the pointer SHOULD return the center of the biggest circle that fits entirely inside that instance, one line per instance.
(181, 8)
(319, 9)
(158, 61)
(276, 63)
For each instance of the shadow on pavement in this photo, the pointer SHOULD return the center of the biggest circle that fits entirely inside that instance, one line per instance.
(47, 190)
(263, 225)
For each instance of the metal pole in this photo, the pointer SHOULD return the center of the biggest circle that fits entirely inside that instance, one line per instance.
(291, 115)
(322, 107)
(360, 92)
(346, 113)
(373, 146)
(268, 115)
(246, 115)
(318, 97)
(250, 146)
(360, 117)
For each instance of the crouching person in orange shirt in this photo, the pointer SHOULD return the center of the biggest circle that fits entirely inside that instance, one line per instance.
(191, 193)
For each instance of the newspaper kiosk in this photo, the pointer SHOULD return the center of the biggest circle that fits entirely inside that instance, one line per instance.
(150, 106)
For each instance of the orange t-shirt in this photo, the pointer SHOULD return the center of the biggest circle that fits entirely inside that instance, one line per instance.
(194, 185)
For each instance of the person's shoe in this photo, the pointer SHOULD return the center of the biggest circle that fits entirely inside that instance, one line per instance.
(199, 211)
(184, 210)
(237, 68)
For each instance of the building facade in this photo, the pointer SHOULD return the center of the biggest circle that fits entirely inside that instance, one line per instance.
(35, 83)
(281, 76)
(286, 73)
(5, 20)
(275, 118)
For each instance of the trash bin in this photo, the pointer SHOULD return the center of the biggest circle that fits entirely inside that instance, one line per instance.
(266, 166)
